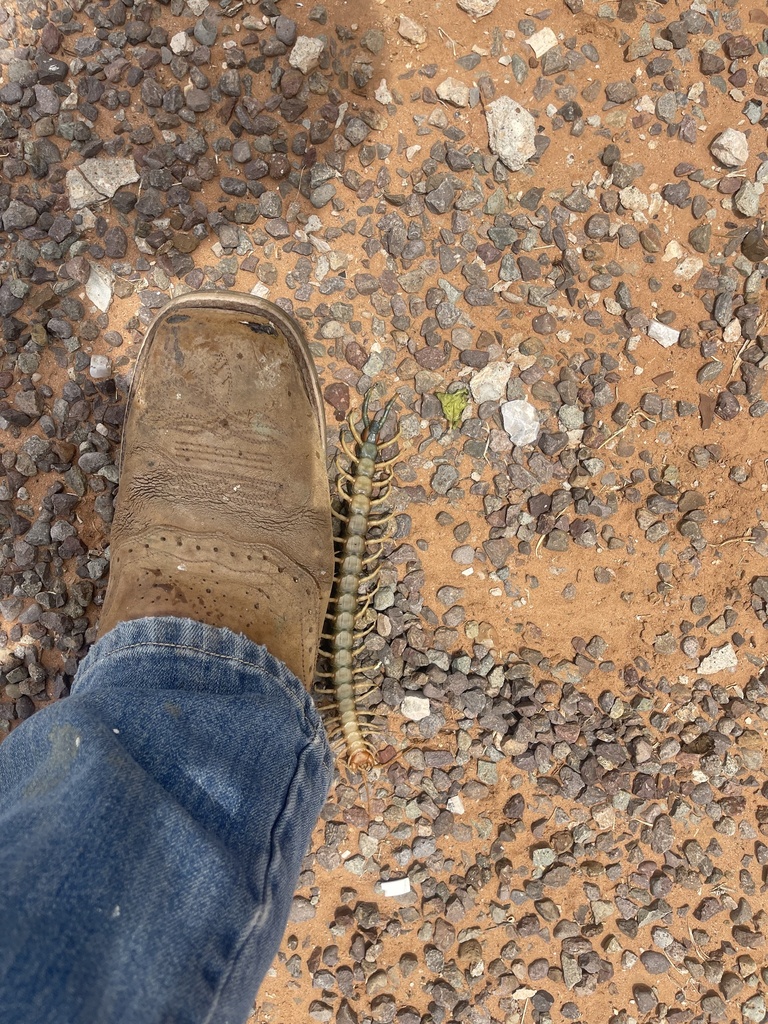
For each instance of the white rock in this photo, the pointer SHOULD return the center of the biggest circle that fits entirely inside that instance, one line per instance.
(688, 268)
(305, 54)
(732, 332)
(730, 148)
(181, 43)
(490, 383)
(100, 368)
(396, 886)
(511, 132)
(520, 421)
(414, 708)
(80, 192)
(673, 251)
(454, 92)
(412, 31)
(542, 41)
(478, 8)
(98, 287)
(718, 659)
(455, 804)
(197, 6)
(382, 94)
(633, 199)
(98, 179)
(665, 335)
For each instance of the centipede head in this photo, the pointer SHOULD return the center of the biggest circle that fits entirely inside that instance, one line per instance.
(361, 760)
(372, 429)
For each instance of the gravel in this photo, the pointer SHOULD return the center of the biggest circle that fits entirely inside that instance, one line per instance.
(566, 652)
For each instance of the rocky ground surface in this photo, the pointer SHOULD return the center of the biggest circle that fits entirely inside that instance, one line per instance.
(553, 217)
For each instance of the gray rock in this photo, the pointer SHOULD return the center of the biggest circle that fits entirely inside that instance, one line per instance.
(19, 216)
(285, 30)
(747, 199)
(654, 963)
(205, 31)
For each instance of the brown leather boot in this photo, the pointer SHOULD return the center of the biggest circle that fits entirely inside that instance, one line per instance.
(223, 513)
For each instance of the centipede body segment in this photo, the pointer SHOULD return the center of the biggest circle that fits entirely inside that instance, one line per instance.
(363, 485)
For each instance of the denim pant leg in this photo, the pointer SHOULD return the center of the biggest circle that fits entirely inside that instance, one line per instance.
(152, 828)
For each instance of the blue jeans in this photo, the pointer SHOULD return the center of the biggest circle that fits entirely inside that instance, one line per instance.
(152, 828)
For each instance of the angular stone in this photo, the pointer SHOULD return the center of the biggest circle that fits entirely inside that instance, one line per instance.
(305, 54)
(490, 383)
(730, 148)
(412, 31)
(511, 132)
(718, 659)
(521, 421)
(453, 91)
(478, 8)
(98, 179)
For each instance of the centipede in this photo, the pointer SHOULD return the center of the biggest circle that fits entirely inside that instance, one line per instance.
(363, 485)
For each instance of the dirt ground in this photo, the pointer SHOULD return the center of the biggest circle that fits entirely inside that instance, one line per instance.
(563, 778)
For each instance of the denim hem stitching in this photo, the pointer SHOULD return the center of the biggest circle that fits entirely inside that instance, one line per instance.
(190, 649)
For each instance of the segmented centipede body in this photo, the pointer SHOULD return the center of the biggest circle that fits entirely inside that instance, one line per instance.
(363, 486)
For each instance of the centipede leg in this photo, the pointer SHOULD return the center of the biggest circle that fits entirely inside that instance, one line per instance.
(381, 498)
(352, 456)
(388, 462)
(365, 580)
(384, 519)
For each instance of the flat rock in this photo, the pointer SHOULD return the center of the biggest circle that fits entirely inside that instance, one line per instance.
(412, 31)
(665, 335)
(511, 132)
(98, 288)
(542, 41)
(718, 659)
(98, 179)
(490, 383)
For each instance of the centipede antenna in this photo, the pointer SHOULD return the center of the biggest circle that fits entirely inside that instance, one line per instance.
(366, 400)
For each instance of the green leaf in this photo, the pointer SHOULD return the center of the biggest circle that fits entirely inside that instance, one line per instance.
(453, 405)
